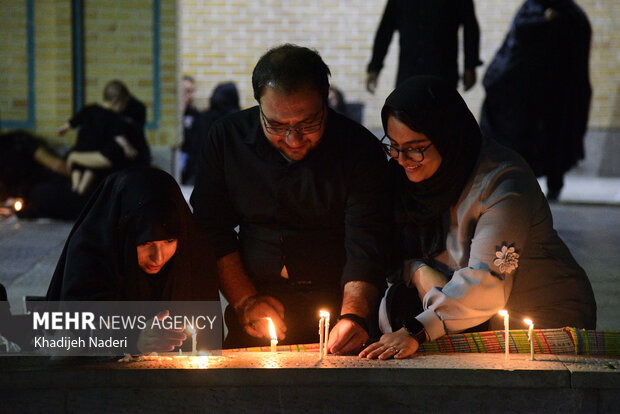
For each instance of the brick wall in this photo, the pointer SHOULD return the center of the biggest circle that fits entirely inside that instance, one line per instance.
(13, 64)
(222, 40)
(53, 90)
(119, 38)
(118, 44)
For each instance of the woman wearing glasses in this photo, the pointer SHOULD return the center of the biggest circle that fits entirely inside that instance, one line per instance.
(474, 233)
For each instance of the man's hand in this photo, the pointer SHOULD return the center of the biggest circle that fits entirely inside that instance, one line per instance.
(371, 81)
(395, 345)
(346, 337)
(159, 340)
(253, 311)
(469, 78)
(359, 298)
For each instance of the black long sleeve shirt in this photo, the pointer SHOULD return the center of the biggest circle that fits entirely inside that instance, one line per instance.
(325, 217)
(428, 31)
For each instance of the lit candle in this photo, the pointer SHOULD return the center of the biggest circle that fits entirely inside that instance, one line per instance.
(530, 336)
(504, 313)
(272, 334)
(321, 333)
(191, 330)
(326, 333)
(18, 205)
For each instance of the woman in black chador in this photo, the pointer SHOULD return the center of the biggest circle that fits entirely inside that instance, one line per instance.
(136, 240)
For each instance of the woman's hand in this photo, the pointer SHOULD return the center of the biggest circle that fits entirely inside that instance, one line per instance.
(398, 345)
(425, 278)
(62, 130)
(159, 340)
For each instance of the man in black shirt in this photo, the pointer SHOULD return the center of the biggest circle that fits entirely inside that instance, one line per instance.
(307, 188)
(428, 37)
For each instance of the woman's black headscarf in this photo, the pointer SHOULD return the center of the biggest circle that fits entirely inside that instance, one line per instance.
(431, 106)
(99, 260)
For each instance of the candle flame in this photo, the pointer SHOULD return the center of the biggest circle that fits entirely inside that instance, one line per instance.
(528, 321)
(18, 205)
(272, 329)
(191, 329)
(503, 312)
(324, 314)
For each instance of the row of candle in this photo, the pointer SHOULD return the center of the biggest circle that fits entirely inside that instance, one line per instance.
(530, 334)
(324, 334)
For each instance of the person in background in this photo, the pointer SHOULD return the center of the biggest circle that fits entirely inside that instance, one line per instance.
(474, 232)
(538, 89)
(223, 101)
(306, 187)
(134, 111)
(109, 144)
(191, 135)
(101, 133)
(26, 160)
(336, 100)
(428, 33)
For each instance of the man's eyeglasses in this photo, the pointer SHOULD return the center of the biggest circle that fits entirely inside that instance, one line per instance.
(285, 132)
(413, 154)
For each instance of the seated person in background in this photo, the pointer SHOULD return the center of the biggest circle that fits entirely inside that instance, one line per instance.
(111, 143)
(474, 232)
(136, 240)
(103, 138)
(224, 100)
(25, 161)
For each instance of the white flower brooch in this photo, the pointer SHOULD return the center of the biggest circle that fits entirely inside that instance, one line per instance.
(507, 259)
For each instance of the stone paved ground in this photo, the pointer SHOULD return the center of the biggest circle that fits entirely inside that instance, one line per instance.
(29, 251)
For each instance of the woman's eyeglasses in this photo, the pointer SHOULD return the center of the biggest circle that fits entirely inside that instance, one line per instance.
(413, 154)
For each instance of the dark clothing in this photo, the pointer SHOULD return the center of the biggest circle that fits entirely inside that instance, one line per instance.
(99, 260)
(224, 100)
(97, 128)
(135, 111)
(19, 171)
(190, 127)
(428, 31)
(538, 89)
(54, 198)
(191, 137)
(326, 217)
